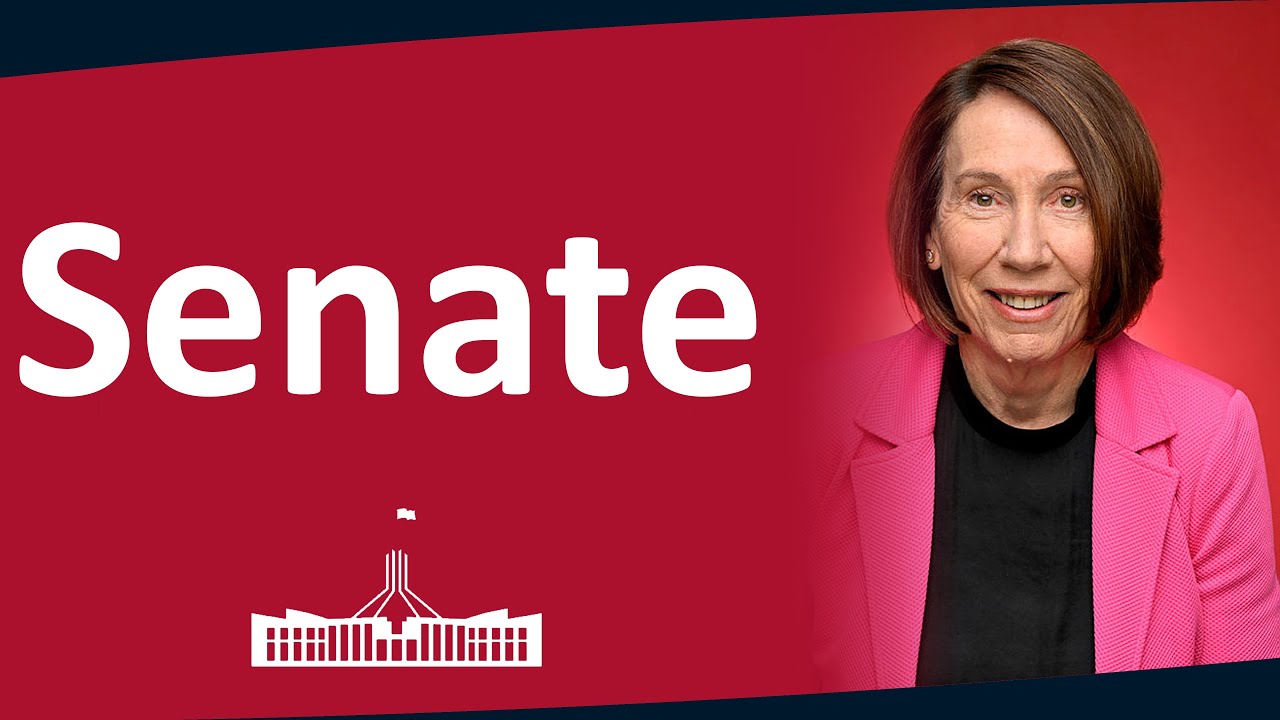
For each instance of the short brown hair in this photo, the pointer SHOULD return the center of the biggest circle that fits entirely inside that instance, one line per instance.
(1110, 145)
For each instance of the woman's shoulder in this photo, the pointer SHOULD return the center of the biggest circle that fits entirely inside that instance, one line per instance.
(1185, 389)
(1168, 369)
(874, 396)
(848, 381)
(1194, 406)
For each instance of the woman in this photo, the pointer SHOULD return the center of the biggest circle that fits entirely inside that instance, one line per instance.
(1015, 488)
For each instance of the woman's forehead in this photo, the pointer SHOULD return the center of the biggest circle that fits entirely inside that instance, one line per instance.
(1000, 137)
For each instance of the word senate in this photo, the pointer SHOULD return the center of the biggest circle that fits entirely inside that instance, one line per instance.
(581, 282)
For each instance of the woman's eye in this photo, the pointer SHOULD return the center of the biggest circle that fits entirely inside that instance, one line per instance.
(1070, 201)
(983, 199)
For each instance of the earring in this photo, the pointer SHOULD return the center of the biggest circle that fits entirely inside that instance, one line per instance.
(928, 255)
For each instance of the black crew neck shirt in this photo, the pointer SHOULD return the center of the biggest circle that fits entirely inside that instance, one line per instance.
(1010, 575)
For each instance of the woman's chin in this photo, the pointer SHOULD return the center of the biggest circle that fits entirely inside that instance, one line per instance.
(1027, 348)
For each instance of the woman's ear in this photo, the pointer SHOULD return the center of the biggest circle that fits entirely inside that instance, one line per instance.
(931, 255)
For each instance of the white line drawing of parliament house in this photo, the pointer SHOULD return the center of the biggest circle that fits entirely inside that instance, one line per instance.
(491, 639)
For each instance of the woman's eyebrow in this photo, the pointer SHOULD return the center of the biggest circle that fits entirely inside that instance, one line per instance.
(986, 176)
(1061, 175)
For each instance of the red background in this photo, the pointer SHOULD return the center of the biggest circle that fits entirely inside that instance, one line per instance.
(656, 533)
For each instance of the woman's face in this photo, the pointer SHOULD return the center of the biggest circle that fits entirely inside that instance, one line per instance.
(1013, 237)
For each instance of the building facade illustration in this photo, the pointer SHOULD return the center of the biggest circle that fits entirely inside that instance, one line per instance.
(491, 639)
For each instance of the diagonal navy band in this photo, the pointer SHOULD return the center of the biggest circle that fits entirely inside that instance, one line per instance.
(50, 37)
(1175, 692)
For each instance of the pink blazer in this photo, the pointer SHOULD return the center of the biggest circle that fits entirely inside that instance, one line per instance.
(1183, 555)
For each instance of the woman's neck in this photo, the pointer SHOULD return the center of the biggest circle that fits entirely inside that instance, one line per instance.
(1030, 396)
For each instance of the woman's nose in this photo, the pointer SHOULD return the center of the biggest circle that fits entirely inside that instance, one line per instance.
(1025, 246)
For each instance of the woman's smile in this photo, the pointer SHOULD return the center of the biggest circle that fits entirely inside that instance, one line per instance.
(1026, 306)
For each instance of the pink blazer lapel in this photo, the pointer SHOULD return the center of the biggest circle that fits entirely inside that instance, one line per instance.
(894, 490)
(1132, 499)
(894, 499)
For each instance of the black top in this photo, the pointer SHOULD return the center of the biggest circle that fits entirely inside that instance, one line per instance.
(1010, 576)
